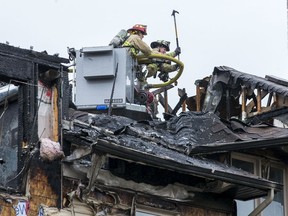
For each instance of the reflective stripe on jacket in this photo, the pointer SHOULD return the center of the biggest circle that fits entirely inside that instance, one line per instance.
(136, 45)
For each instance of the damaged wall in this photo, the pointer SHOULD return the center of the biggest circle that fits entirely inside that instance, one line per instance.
(34, 179)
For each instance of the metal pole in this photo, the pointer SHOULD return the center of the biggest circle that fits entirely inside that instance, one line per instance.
(175, 25)
(112, 92)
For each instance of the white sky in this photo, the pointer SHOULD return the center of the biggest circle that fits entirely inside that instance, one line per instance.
(247, 35)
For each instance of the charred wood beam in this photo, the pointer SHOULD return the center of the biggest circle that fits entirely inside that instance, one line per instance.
(162, 102)
(198, 98)
(243, 101)
(252, 104)
(160, 90)
(166, 101)
(259, 98)
(269, 99)
(266, 116)
(98, 160)
(180, 103)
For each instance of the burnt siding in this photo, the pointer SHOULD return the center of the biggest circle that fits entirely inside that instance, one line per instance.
(32, 56)
(20, 68)
(19, 137)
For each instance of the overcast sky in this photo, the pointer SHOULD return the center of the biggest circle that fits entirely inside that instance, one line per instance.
(247, 35)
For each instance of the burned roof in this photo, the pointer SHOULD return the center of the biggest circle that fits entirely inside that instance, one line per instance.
(229, 75)
(31, 55)
(165, 145)
(19, 63)
(188, 131)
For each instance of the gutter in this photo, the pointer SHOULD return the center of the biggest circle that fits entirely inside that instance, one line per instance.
(240, 145)
(264, 204)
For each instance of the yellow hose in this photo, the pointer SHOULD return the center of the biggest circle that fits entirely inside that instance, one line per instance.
(142, 59)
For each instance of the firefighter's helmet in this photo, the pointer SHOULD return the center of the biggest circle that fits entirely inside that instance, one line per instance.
(160, 43)
(139, 27)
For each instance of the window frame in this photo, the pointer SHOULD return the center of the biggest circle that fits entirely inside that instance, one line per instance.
(258, 162)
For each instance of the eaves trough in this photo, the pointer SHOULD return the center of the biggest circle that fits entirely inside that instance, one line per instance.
(241, 145)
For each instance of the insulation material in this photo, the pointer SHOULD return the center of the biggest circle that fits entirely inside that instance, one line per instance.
(174, 191)
(76, 208)
(44, 112)
(50, 150)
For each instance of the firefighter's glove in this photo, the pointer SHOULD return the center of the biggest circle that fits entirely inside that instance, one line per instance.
(163, 76)
(177, 51)
(175, 67)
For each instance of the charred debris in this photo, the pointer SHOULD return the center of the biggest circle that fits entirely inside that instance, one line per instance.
(58, 160)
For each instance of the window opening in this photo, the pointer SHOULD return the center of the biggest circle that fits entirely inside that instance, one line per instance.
(244, 207)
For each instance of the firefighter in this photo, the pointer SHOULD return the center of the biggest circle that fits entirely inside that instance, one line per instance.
(135, 43)
(162, 47)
